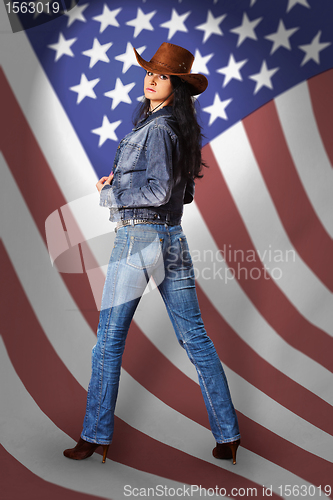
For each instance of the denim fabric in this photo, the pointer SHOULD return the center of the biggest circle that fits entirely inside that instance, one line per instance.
(143, 173)
(139, 252)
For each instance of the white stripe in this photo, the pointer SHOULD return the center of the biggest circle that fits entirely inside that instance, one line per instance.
(247, 398)
(234, 305)
(307, 150)
(22, 421)
(241, 172)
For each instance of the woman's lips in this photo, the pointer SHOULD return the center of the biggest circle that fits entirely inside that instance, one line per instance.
(150, 90)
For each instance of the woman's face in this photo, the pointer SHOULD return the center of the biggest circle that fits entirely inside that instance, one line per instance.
(157, 88)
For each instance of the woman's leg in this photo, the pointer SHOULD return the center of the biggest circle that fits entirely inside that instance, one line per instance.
(179, 294)
(127, 277)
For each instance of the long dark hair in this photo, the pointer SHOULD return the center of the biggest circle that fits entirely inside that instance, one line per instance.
(190, 162)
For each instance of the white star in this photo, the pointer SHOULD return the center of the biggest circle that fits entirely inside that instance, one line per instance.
(97, 53)
(107, 18)
(312, 49)
(232, 70)
(128, 58)
(263, 78)
(200, 63)
(292, 3)
(211, 26)
(106, 131)
(141, 22)
(252, 2)
(85, 88)
(62, 47)
(246, 29)
(120, 93)
(75, 13)
(176, 23)
(281, 37)
(217, 109)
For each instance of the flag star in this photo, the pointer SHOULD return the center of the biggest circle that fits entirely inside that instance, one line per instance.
(263, 78)
(292, 3)
(217, 109)
(63, 47)
(252, 2)
(211, 26)
(106, 131)
(232, 70)
(107, 18)
(246, 29)
(312, 49)
(141, 22)
(128, 58)
(85, 88)
(281, 37)
(120, 93)
(97, 53)
(200, 63)
(75, 13)
(176, 23)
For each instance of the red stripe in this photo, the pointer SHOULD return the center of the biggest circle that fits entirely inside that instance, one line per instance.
(18, 482)
(33, 175)
(62, 399)
(300, 221)
(267, 297)
(320, 88)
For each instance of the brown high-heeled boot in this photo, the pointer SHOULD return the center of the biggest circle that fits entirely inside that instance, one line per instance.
(226, 450)
(83, 450)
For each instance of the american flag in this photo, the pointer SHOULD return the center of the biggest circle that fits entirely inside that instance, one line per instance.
(260, 231)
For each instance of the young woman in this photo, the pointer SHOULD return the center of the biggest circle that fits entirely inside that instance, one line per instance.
(153, 176)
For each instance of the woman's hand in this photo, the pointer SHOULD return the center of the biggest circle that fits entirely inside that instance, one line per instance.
(104, 180)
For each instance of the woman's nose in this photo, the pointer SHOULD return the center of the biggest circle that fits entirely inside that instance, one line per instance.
(152, 80)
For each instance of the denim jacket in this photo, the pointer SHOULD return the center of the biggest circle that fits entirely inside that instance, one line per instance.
(144, 185)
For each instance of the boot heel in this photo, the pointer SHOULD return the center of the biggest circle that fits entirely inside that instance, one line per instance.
(105, 451)
(233, 447)
(226, 450)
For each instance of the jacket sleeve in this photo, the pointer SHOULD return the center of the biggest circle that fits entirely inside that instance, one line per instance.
(159, 178)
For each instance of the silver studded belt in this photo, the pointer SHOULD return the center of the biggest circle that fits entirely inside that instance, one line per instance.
(132, 222)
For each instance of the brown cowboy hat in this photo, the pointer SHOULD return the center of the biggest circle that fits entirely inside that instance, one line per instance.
(171, 59)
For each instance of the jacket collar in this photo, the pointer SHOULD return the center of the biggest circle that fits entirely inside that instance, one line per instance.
(165, 111)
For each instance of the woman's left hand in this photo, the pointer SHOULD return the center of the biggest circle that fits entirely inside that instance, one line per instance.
(104, 180)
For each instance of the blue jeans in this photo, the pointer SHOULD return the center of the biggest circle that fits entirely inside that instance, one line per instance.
(139, 252)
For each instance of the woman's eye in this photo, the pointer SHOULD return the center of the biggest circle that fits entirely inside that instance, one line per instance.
(149, 73)
(163, 77)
